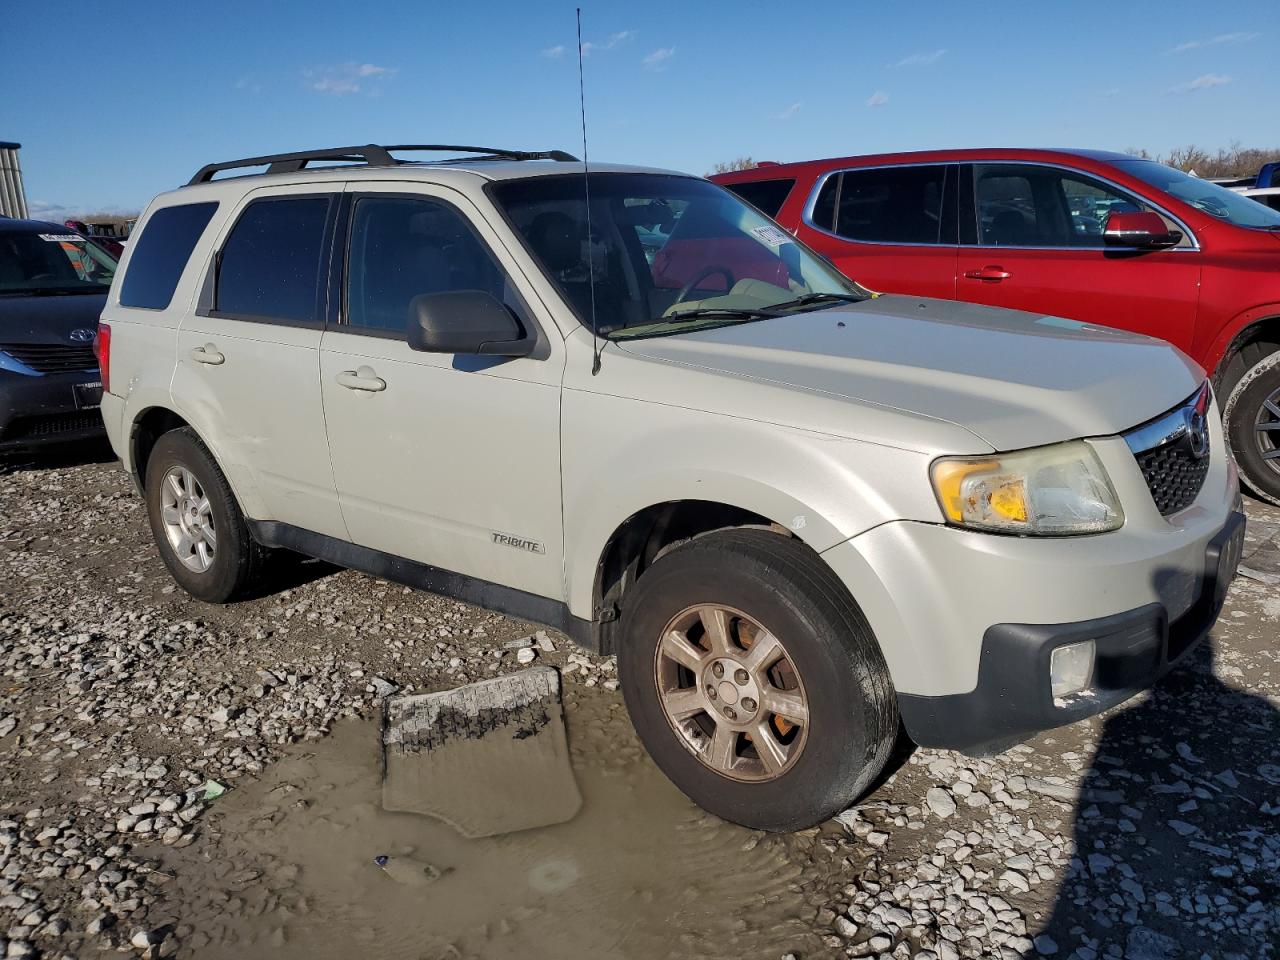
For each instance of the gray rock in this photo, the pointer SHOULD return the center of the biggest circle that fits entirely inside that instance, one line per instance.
(1045, 945)
(940, 802)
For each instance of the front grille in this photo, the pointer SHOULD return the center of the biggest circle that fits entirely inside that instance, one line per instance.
(53, 357)
(1174, 460)
(1174, 474)
(53, 425)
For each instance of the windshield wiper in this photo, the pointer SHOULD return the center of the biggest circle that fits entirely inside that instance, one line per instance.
(729, 313)
(814, 298)
(726, 314)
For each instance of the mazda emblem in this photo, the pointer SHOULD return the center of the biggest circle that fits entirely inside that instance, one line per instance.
(1198, 434)
(82, 335)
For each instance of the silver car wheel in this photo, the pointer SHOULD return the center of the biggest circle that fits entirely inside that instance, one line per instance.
(731, 693)
(188, 519)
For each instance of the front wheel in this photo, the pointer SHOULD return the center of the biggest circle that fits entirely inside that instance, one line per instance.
(754, 680)
(1252, 414)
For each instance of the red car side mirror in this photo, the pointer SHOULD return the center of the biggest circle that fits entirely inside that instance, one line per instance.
(1142, 229)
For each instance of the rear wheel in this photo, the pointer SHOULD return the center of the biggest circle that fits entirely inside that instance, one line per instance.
(1252, 414)
(196, 522)
(754, 681)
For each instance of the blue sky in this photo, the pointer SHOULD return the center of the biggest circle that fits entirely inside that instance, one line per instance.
(114, 102)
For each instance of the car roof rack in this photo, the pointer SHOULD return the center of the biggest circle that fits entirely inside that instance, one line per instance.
(369, 155)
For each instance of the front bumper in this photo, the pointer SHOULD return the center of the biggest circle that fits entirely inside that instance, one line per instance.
(53, 408)
(1012, 698)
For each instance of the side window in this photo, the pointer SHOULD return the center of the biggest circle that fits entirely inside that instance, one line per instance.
(1023, 205)
(160, 253)
(1006, 208)
(767, 196)
(824, 208)
(402, 248)
(892, 205)
(270, 266)
(1089, 203)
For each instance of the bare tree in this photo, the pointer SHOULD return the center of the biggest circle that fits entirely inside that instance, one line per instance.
(741, 163)
(1232, 161)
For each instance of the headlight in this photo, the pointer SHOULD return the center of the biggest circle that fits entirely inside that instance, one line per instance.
(1049, 491)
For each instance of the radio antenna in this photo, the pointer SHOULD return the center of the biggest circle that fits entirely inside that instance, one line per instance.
(586, 190)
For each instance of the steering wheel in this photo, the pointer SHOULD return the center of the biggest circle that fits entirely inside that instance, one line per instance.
(711, 271)
(41, 276)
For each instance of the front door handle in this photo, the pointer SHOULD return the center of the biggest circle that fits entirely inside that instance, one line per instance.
(362, 379)
(989, 273)
(207, 354)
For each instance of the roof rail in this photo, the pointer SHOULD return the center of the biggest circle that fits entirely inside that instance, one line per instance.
(371, 155)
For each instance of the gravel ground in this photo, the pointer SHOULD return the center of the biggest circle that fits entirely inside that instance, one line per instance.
(1152, 831)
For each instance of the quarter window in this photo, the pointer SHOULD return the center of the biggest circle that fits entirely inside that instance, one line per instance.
(402, 248)
(160, 252)
(824, 208)
(270, 266)
(892, 205)
(1022, 205)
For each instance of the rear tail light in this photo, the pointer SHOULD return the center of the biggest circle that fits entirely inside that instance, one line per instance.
(102, 350)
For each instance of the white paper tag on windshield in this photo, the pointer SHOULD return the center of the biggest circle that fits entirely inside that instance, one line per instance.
(62, 237)
(773, 236)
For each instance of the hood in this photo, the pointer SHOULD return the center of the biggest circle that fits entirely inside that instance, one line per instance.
(1013, 379)
(49, 319)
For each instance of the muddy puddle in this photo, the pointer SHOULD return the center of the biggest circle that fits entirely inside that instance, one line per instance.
(286, 867)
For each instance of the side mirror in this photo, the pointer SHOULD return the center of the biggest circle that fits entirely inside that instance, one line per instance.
(466, 321)
(1142, 229)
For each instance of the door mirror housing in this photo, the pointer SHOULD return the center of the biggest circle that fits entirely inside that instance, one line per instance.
(1142, 229)
(467, 322)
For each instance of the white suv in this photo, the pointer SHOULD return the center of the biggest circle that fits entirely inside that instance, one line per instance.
(796, 510)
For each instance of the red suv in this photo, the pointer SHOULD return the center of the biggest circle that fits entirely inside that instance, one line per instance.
(1100, 237)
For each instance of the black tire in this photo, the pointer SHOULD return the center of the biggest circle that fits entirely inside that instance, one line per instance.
(785, 587)
(237, 558)
(1254, 378)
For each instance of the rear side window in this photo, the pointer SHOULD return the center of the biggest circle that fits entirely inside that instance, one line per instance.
(160, 253)
(269, 267)
(892, 205)
(767, 196)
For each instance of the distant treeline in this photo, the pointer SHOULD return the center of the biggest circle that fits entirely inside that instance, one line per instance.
(1232, 161)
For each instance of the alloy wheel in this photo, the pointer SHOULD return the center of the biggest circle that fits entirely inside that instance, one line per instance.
(188, 519)
(731, 692)
(1267, 431)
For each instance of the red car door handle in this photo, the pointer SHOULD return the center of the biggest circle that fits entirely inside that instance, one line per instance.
(992, 274)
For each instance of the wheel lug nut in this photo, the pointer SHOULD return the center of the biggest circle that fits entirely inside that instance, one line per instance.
(741, 677)
(718, 669)
(731, 713)
(748, 705)
(711, 692)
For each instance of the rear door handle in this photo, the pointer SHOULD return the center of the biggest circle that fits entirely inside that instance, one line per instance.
(362, 379)
(207, 354)
(990, 273)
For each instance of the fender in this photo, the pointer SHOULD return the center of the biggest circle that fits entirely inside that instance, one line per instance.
(139, 402)
(823, 490)
(1230, 332)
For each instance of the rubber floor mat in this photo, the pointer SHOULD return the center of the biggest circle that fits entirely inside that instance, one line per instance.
(487, 758)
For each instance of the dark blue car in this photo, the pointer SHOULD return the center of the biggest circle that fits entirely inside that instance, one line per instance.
(53, 285)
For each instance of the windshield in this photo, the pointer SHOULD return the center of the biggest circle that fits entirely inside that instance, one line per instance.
(668, 254)
(1204, 195)
(54, 263)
